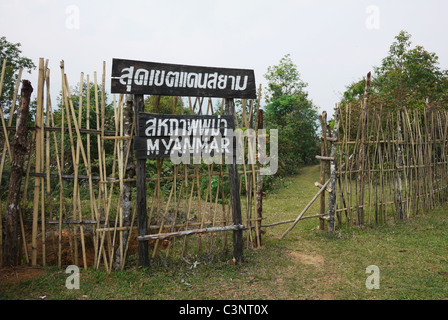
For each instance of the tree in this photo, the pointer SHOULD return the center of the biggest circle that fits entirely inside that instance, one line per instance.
(283, 79)
(164, 104)
(14, 61)
(408, 76)
(293, 114)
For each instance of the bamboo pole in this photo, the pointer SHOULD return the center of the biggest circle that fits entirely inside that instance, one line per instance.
(362, 152)
(11, 116)
(37, 181)
(43, 165)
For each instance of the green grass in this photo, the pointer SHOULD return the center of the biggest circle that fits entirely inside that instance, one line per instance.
(412, 257)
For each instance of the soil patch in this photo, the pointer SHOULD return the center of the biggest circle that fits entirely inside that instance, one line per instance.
(303, 258)
(19, 274)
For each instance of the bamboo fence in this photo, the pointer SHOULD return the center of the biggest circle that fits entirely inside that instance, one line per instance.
(388, 165)
(79, 177)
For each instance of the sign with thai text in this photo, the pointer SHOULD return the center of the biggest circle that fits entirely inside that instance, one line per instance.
(139, 77)
(165, 136)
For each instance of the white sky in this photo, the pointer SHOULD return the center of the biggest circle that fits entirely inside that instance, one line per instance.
(328, 40)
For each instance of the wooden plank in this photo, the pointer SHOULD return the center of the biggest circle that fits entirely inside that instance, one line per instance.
(140, 77)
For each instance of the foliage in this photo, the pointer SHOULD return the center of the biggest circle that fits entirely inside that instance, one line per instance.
(14, 61)
(165, 105)
(406, 78)
(283, 79)
(109, 125)
(293, 114)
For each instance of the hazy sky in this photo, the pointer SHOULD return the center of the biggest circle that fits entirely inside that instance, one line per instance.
(333, 43)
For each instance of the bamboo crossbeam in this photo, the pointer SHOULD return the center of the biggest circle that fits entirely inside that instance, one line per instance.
(162, 236)
(393, 141)
(325, 158)
(180, 177)
(52, 128)
(293, 220)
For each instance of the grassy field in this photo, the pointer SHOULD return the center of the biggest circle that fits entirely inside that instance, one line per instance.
(412, 258)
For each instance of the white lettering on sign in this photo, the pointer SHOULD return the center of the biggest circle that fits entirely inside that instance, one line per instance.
(159, 78)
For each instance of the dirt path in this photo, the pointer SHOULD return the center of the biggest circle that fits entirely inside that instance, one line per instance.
(309, 273)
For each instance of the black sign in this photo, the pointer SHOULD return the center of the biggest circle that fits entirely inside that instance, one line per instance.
(139, 77)
(163, 135)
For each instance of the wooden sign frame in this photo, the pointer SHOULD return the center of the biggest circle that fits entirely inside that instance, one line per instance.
(142, 83)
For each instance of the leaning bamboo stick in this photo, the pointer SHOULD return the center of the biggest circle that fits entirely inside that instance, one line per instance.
(11, 116)
(93, 204)
(305, 209)
(102, 187)
(66, 98)
(77, 208)
(24, 197)
(5, 132)
(112, 246)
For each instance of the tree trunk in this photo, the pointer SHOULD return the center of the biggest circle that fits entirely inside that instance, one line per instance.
(17, 168)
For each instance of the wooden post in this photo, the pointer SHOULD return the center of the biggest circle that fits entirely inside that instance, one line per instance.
(235, 195)
(323, 123)
(142, 217)
(17, 168)
(333, 176)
